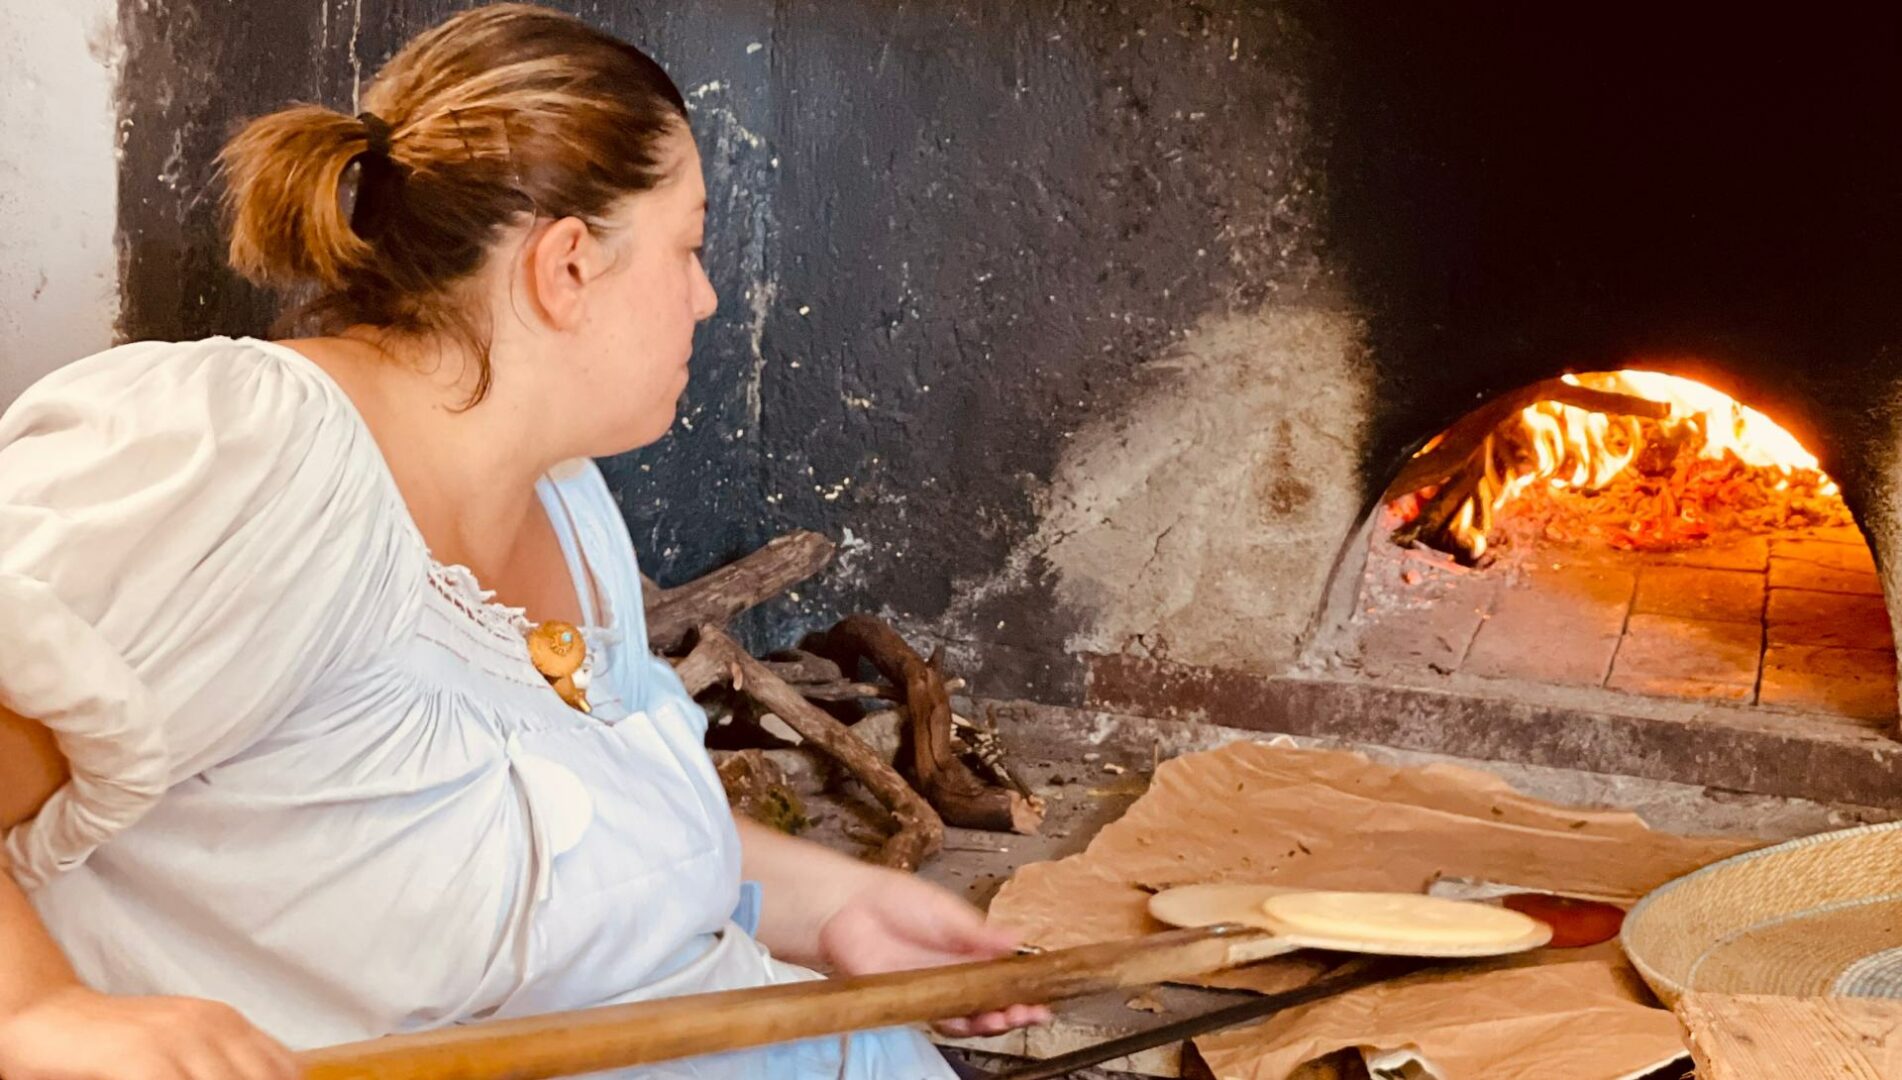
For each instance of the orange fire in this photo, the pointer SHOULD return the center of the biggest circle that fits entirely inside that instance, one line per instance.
(1579, 452)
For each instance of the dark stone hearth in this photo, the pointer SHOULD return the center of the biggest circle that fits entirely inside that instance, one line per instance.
(1715, 746)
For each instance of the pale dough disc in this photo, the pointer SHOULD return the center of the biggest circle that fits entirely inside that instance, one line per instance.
(1396, 918)
(1207, 905)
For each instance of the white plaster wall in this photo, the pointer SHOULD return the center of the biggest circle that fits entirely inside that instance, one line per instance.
(59, 279)
(1201, 523)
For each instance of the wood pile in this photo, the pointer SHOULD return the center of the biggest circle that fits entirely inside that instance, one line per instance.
(948, 769)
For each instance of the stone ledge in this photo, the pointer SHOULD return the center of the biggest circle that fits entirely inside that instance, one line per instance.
(1747, 750)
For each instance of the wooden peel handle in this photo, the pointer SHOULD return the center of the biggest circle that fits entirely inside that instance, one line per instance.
(619, 1036)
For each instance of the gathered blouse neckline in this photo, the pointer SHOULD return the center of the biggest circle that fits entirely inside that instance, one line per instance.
(454, 582)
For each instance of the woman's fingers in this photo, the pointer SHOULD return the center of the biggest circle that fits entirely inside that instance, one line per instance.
(995, 1022)
(1018, 1016)
(255, 1056)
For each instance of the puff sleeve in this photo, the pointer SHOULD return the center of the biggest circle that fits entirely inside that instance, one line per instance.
(191, 535)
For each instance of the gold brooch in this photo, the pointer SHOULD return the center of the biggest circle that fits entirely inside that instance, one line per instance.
(557, 650)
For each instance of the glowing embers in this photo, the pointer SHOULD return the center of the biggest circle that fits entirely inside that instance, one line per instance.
(1637, 460)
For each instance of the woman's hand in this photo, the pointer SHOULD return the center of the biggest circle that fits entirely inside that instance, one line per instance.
(78, 1034)
(827, 908)
(896, 922)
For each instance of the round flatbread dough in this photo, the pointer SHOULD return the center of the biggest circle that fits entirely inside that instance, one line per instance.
(1396, 919)
(1208, 905)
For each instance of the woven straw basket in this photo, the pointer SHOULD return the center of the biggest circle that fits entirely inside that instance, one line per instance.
(1816, 916)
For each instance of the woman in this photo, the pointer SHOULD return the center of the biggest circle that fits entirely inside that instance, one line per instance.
(341, 637)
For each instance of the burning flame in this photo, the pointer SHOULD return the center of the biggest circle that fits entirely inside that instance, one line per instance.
(1729, 426)
(1578, 448)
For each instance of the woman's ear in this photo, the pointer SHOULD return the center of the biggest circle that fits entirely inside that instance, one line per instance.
(562, 260)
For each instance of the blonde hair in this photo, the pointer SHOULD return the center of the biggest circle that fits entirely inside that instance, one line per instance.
(501, 113)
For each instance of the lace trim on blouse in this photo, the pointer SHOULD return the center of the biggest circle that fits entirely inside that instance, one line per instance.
(509, 626)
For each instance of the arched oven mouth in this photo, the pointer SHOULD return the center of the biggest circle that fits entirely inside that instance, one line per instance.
(1630, 531)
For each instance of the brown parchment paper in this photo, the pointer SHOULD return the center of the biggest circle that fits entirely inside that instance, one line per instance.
(1334, 820)
(1574, 1021)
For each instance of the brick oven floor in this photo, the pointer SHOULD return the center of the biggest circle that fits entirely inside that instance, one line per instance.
(1792, 622)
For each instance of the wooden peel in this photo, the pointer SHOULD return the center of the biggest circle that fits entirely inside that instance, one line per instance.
(619, 1036)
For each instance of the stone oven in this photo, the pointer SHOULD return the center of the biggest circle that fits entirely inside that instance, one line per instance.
(1099, 335)
(1636, 531)
(1522, 207)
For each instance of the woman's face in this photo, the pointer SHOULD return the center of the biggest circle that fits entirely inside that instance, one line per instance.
(635, 330)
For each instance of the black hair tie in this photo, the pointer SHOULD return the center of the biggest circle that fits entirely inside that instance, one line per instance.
(379, 181)
(378, 130)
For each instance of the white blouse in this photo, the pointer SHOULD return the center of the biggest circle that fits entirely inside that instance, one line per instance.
(314, 772)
